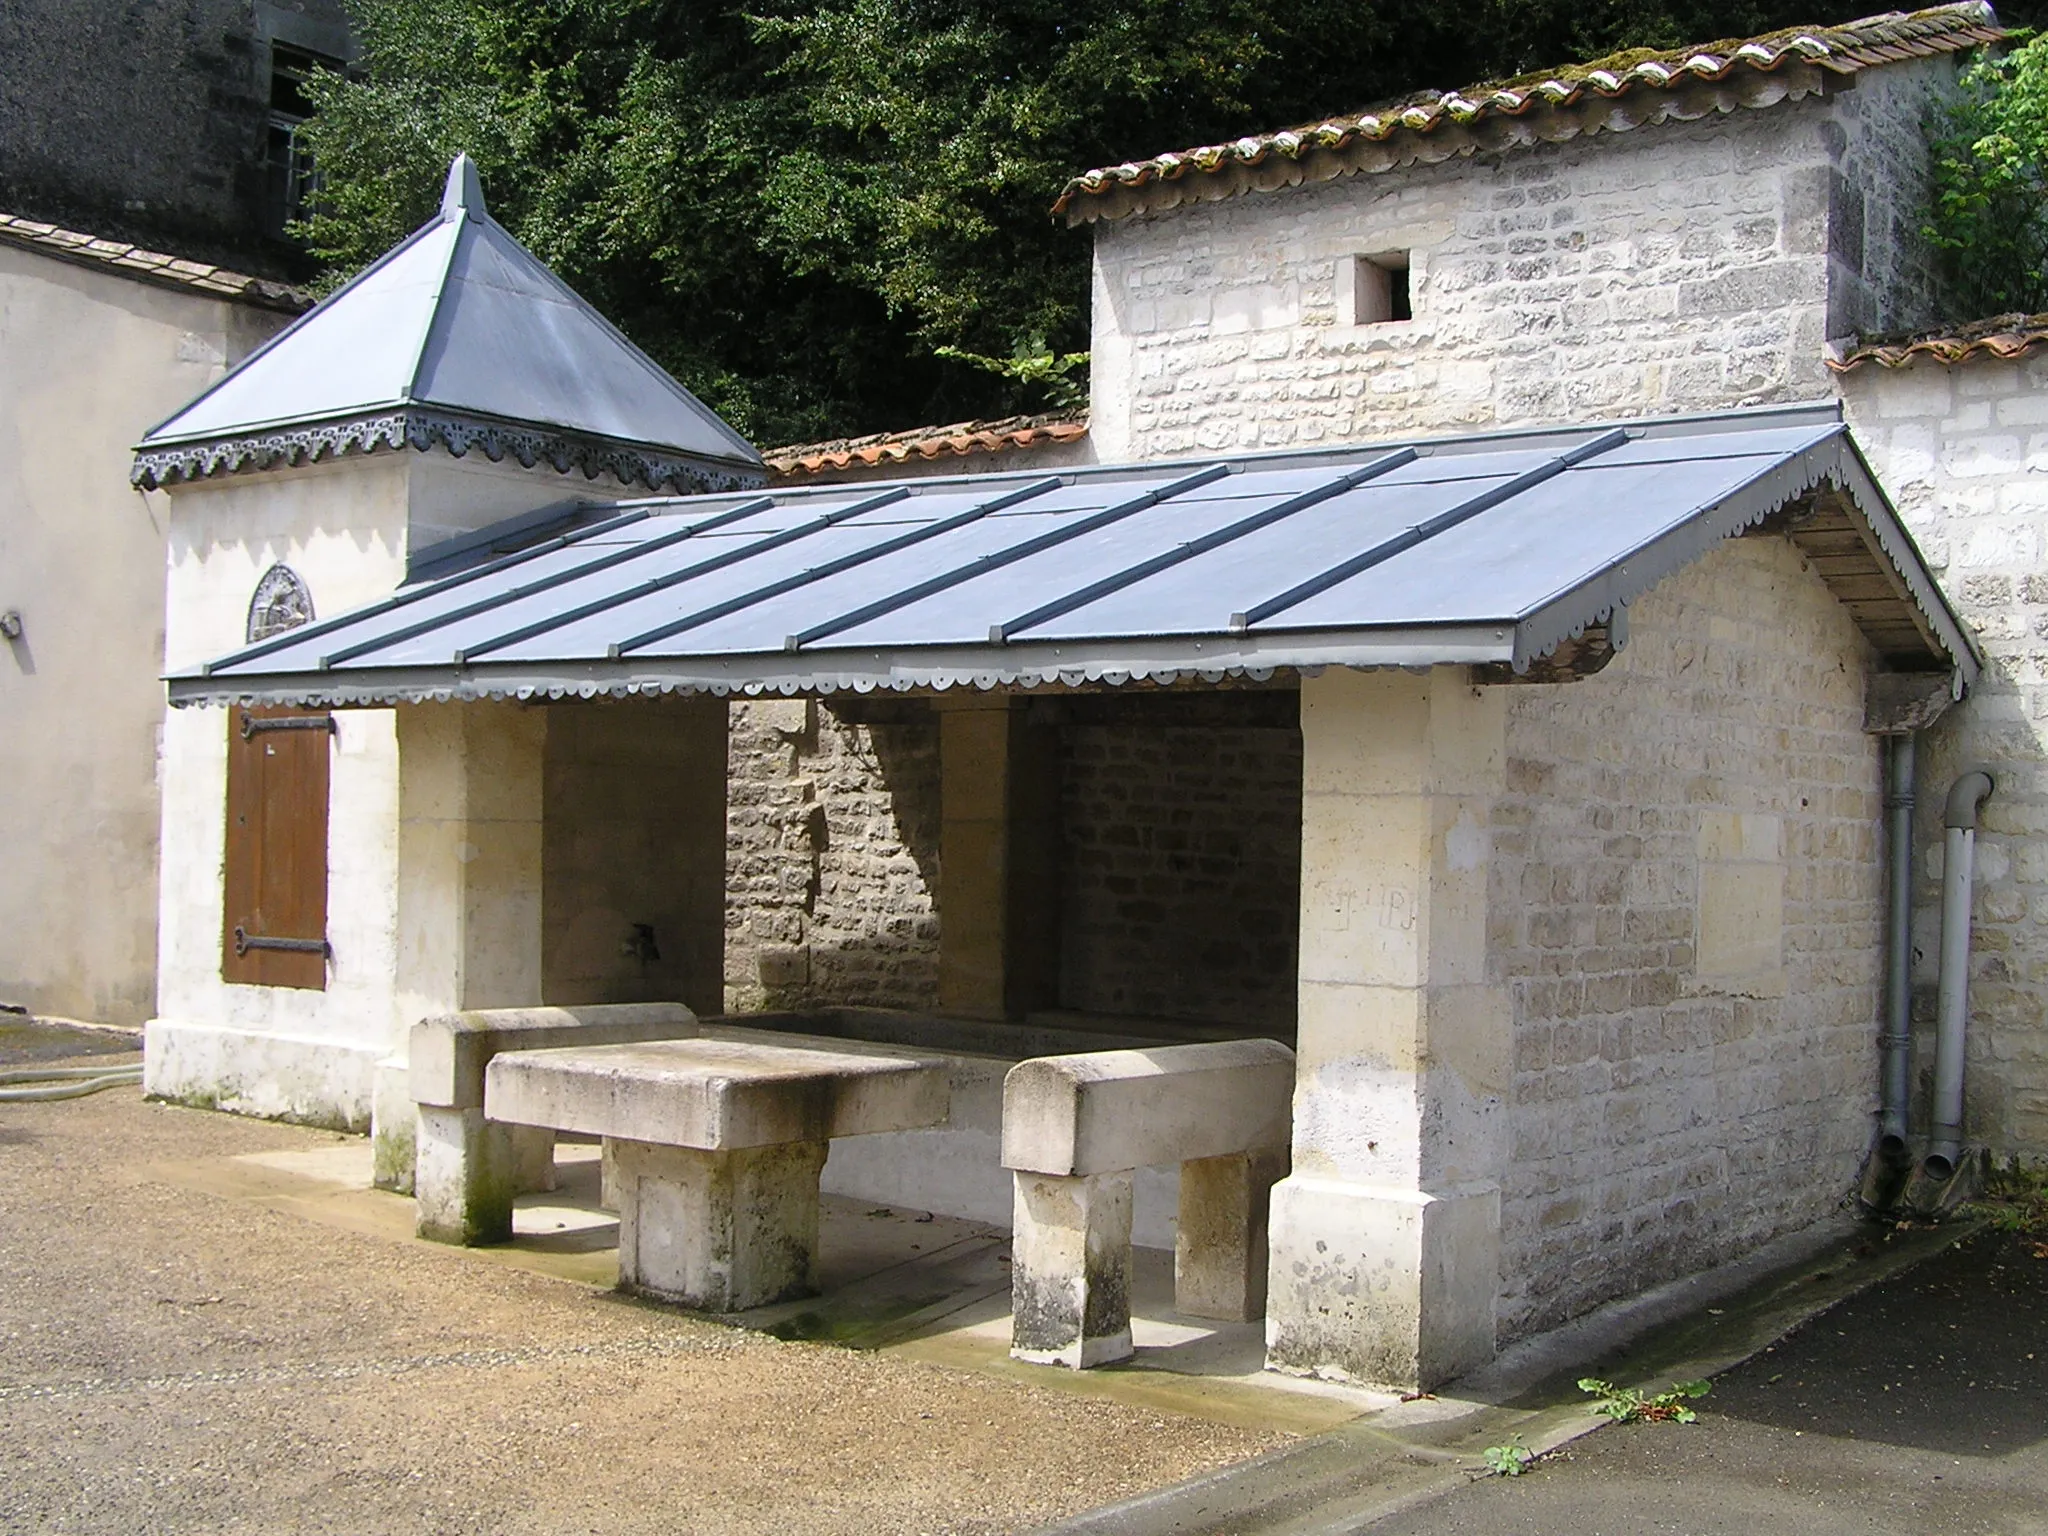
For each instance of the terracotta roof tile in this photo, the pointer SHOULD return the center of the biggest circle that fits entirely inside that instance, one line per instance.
(2006, 336)
(151, 266)
(1565, 103)
(962, 439)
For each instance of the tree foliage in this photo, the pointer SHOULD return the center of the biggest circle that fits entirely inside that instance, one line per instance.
(831, 216)
(1989, 221)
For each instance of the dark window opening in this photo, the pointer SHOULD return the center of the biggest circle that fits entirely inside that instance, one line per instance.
(294, 179)
(1380, 289)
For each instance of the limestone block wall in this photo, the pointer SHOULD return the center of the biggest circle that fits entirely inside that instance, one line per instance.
(1685, 901)
(1182, 872)
(831, 859)
(1963, 451)
(1675, 268)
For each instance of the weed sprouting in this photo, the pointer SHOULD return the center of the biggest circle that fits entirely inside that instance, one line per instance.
(1631, 1405)
(1509, 1460)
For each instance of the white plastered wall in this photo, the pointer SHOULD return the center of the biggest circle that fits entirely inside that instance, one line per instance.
(88, 360)
(345, 528)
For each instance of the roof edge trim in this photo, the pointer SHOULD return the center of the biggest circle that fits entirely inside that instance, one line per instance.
(1048, 664)
(640, 464)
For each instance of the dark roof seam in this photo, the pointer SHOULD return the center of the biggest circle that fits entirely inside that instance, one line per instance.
(1428, 528)
(997, 559)
(544, 584)
(845, 562)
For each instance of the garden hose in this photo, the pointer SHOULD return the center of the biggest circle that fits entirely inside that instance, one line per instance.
(42, 1084)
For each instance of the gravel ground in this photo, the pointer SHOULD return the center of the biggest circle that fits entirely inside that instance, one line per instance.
(179, 1362)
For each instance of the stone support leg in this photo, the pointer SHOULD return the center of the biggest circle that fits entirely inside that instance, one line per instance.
(718, 1231)
(1385, 1237)
(1070, 1270)
(1219, 1250)
(467, 1169)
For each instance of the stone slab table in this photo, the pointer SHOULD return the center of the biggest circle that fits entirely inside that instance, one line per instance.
(466, 1167)
(717, 1146)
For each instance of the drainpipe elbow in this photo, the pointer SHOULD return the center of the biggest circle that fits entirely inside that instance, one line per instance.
(1965, 797)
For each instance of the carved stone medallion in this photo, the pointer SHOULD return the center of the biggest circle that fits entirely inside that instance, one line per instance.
(281, 603)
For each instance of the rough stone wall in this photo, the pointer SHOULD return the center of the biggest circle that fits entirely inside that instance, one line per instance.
(1880, 271)
(1964, 453)
(1677, 268)
(150, 121)
(1686, 900)
(1182, 876)
(831, 859)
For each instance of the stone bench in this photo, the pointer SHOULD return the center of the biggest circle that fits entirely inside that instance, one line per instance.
(467, 1168)
(717, 1146)
(1074, 1130)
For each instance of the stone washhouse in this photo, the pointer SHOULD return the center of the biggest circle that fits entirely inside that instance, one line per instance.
(1471, 668)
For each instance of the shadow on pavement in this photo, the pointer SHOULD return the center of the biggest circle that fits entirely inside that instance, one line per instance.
(1951, 1356)
(28, 1042)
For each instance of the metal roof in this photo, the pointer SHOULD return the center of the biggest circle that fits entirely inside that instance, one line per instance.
(458, 335)
(1485, 549)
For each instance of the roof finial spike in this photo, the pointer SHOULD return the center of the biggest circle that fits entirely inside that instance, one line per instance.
(464, 196)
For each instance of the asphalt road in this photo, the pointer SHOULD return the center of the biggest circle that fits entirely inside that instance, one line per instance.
(1919, 1406)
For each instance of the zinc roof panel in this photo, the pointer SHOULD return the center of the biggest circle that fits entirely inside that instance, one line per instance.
(1195, 597)
(1518, 561)
(630, 603)
(1506, 562)
(756, 628)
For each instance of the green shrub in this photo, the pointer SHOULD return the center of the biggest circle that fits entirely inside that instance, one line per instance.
(1989, 219)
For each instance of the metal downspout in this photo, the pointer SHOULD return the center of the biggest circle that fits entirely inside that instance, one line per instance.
(1896, 1039)
(1952, 991)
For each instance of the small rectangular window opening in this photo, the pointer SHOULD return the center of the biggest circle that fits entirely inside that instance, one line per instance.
(1375, 289)
(294, 179)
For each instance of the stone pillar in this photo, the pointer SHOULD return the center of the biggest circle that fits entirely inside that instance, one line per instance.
(1219, 1245)
(998, 859)
(469, 897)
(718, 1231)
(1070, 1270)
(1386, 1235)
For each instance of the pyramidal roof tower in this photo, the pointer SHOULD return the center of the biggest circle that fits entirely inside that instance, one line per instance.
(457, 337)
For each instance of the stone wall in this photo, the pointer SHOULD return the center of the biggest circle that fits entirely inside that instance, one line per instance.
(831, 858)
(1685, 900)
(633, 884)
(151, 122)
(1182, 872)
(1677, 268)
(1963, 451)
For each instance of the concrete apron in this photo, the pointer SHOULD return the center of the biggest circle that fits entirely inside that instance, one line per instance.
(938, 1289)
